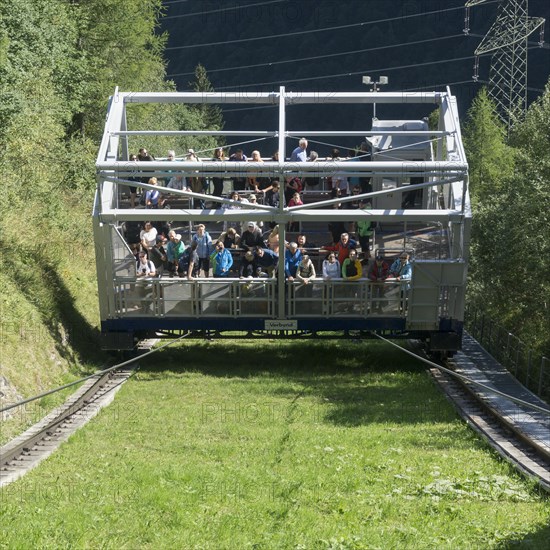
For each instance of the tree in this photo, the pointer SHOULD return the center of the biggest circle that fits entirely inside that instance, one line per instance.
(490, 159)
(510, 275)
(211, 115)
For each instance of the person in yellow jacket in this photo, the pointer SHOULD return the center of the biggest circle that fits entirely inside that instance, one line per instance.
(351, 271)
(351, 268)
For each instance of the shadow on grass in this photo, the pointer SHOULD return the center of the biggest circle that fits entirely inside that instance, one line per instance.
(39, 281)
(539, 540)
(354, 383)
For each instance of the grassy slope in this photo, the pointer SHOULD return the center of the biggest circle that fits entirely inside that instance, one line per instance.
(49, 312)
(275, 445)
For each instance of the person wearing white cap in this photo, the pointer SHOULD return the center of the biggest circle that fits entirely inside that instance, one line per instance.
(251, 237)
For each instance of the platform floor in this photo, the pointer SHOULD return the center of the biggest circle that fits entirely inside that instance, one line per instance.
(477, 364)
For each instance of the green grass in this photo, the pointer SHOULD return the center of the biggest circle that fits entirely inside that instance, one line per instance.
(275, 445)
(48, 304)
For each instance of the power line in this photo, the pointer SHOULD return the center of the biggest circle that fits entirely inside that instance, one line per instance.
(423, 87)
(353, 73)
(433, 86)
(415, 42)
(528, 88)
(542, 45)
(301, 33)
(223, 9)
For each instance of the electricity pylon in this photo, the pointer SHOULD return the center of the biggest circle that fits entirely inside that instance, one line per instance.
(506, 41)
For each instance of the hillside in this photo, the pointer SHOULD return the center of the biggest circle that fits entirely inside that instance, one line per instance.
(59, 62)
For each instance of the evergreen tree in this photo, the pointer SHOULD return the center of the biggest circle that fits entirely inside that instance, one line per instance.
(211, 115)
(490, 159)
(510, 274)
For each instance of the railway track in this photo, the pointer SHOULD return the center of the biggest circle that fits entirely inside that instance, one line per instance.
(515, 446)
(37, 443)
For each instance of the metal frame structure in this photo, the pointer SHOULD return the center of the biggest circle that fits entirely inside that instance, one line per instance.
(434, 300)
(506, 42)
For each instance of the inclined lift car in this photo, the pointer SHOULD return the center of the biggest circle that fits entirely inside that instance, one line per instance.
(419, 203)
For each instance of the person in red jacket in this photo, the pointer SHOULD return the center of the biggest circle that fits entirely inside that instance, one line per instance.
(378, 273)
(342, 247)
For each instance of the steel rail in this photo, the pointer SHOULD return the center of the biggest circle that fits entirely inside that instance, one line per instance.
(10, 452)
(319, 168)
(513, 445)
(25, 451)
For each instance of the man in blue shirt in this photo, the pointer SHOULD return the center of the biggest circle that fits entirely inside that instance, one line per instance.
(266, 260)
(221, 261)
(401, 269)
(300, 153)
(293, 257)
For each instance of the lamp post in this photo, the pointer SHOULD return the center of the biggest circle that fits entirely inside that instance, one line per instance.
(375, 87)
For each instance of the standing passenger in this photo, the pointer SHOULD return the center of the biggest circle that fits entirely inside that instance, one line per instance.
(145, 267)
(148, 236)
(230, 238)
(273, 240)
(306, 270)
(239, 182)
(221, 261)
(219, 155)
(315, 180)
(152, 196)
(204, 242)
(351, 267)
(133, 189)
(174, 251)
(266, 261)
(293, 257)
(300, 153)
(189, 263)
(401, 269)
(248, 267)
(296, 200)
(256, 181)
(251, 237)
(331, 268)
(364, 232)
(339, 180)
(378, 274)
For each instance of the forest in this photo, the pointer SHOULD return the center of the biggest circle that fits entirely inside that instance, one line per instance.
(60, 60)
(510, 189)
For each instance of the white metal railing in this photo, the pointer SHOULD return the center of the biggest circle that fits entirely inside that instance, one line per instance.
(257, 297)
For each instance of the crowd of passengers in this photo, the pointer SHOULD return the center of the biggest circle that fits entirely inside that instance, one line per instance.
(244, 250)
(252, 255)
(265, 187)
